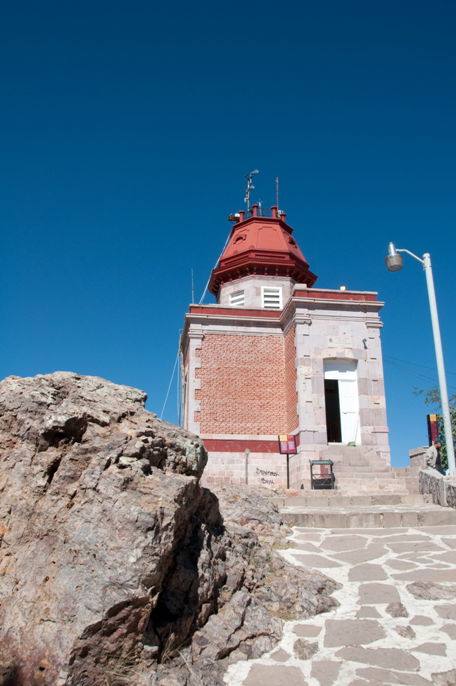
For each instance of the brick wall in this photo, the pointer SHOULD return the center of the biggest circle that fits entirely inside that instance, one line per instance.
(290, 379)
(243, 388)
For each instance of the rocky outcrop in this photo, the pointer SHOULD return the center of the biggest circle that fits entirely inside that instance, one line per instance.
(116, 566)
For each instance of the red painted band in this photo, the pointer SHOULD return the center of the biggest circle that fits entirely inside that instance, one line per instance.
(234, 445)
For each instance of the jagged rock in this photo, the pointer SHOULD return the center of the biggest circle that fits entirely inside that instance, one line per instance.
(303, 649)
(251, 508)
(405, 631)
(114, 561)
(431, 590)
(397, 610)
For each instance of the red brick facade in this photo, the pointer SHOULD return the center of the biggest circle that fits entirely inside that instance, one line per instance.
(243, 387)
(290, 380)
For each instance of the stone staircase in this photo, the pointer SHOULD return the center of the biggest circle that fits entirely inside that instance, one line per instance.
(368, 494)
(359, 471)
(331, 510)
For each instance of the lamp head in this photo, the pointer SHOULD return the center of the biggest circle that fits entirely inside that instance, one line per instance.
(393, 259)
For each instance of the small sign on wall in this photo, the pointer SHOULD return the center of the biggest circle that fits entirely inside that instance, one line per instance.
(287, 444)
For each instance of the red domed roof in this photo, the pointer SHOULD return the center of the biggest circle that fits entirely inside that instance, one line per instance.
(261, 245)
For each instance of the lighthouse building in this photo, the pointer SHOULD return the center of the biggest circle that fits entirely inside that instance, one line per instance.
(276, 355)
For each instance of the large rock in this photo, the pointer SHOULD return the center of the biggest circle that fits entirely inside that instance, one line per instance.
(116, 566)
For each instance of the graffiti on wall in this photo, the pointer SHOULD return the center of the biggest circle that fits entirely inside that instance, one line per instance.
(264, 476)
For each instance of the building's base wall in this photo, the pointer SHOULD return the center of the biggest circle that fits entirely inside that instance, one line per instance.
(356, 469)
(254, 469)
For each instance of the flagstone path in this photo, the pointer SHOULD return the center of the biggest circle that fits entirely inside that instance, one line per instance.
(396, 623)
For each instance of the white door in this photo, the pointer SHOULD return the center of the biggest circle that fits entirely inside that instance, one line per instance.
(344, 371)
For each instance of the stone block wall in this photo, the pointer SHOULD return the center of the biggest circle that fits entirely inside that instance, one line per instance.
(251, 287)
(254, 469)
(441, 488)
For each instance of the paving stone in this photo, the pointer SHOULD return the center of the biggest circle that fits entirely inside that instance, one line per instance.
(399, 537)
(304, 649)
(367, 572)
(364, 532)
(444, 678)
(374, 594)
(439, 530)
(352, 632)
(325, 671)
(367, 611)
(397, 610)
(274, 675)
(307, 630)
(400, 564)
(416, 557)
(317, 561)
(447, 556)
(428, 590)
(412, 546)
(308, 535)
(280, 655)
(446, 611)
(427, 575)
(450, 542)
(306, 547)
(405, 631)
(431, 648)
(390, 677)
(381, 657)
(355, 557)
(421, 620)
(449, 629)
(344, 543)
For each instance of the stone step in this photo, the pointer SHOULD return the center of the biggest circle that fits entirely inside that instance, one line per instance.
(353, 469)
(363, 486)
(366, 474)
(335, 499)
(372, 516)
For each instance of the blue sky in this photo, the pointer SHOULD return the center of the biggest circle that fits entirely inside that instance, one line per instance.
(126, 130)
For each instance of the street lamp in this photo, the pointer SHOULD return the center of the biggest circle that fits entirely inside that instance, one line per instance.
(394, 262)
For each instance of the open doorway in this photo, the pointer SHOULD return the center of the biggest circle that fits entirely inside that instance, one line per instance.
(341, 401)
(333, 427)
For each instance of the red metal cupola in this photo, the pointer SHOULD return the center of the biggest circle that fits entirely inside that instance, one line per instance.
(264, 246)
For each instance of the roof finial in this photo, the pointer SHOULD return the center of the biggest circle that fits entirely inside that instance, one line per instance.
(250, 187)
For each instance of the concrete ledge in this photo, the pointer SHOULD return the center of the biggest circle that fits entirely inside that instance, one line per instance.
(441, 488)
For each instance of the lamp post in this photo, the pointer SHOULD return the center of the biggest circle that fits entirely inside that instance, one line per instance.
(394, 262)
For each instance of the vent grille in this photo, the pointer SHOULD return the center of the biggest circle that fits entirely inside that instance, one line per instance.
(237, 299)
(272, 298)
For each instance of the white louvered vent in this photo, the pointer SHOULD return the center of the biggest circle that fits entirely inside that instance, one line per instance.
(272, 298)
(237, 299)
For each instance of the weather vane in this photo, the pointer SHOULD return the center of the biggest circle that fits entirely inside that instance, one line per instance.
(250, 187)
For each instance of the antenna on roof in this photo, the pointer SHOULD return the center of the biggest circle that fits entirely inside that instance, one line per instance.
(250, 187)
(277, 191)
